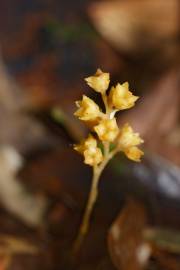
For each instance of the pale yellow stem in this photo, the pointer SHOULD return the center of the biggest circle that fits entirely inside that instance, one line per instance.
(89, 207)
(110, 113)
(104, 98)
(97, 171)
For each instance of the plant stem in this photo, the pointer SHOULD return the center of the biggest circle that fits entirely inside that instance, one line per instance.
(104, 98)
(89, 207)
(97, 171)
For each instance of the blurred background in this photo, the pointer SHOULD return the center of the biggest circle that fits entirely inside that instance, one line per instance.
(47, 48)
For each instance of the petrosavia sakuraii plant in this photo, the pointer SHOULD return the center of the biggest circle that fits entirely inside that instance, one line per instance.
(105, 132)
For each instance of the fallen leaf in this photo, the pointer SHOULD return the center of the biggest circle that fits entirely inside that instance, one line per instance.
(128, 249)
(27, 207)
(137, 26)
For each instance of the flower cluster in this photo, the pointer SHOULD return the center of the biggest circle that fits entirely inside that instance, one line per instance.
(105, 127)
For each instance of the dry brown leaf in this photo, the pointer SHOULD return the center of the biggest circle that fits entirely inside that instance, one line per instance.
(13, 196)
(137, 25)
(127, 247)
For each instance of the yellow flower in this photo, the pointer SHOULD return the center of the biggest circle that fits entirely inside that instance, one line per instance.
(128, 141)
(128, 138)
(85, 144)
(87, 109)
(107, 130)
(92, 154)
(99, 82)
(134, 153)
(121, 98)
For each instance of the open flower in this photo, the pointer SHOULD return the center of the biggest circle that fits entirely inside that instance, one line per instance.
(128, 141)
(107, 130)
(99, 82)
(85, 144)
(87, 109)
(134, 153)
(121, 98)
(92, 154)
(128, 138)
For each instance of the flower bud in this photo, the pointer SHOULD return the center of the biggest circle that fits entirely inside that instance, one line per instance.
(99, 82)
(92, 154)
(134, 153)
(128, 138)
(121, 98)
(88, 110)
(107, 130)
